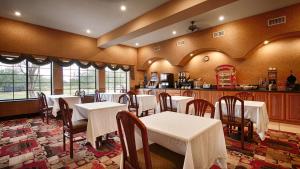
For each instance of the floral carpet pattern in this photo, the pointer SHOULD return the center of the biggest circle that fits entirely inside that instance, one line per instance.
(32, 144)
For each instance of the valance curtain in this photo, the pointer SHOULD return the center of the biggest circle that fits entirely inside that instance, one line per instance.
(14, 59)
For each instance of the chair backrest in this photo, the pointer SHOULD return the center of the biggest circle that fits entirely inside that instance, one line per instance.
(188, 93)
(163, 102)
(150, 92)
(127, 123)
(230, 105)
(200, 107)
(123, 99)
(132, 99)
(97, 96)
(42, 101)
(66, 113)
(245, 96)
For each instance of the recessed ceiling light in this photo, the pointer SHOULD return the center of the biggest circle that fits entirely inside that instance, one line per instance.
(174, 32)
(137, 44)
(17, 13)
(88, 31)
(149, 61)
(191, 54)
(266, 42)
(123, 8)
(221, 18)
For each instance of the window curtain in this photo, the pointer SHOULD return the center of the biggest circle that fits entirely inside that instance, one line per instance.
(38, 60)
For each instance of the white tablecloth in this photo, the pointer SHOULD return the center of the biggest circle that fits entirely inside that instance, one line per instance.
(179, 102)
(200, 139)
(146, 102)
(52, 100)
(256, 111)
(111, 97)
(101, 118)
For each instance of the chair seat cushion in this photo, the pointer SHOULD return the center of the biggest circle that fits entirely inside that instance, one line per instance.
(237, 120)
(80, 125)
(161, 158)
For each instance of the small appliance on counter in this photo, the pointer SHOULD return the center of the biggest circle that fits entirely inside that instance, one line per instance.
(167, 80)
(272, 78)
(184, 81)
(154, 81)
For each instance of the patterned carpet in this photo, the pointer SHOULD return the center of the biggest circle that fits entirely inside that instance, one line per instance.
(31, 144)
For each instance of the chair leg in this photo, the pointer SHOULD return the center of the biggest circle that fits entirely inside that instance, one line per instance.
(242, 137)
(154, 111)
(47, 117)
(71, 145)
(98, 142)
(64, 141)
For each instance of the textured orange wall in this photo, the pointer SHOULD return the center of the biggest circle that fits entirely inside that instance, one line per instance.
(283, 54)
(241, 37)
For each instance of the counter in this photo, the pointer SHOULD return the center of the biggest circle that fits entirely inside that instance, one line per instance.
(283, 106)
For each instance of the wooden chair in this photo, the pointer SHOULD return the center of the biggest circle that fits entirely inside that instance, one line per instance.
(123, 90)
(150, 92)
(201, 107)
(245, 96)
(80, 93)
(133, 105)
(148, 157)
(189, 93)
(123, 99)
(44, 109)
(230, 118)
(70, 128)
(163, 102)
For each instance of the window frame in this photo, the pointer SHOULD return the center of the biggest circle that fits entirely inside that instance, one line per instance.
(26, 82)
(127, 79)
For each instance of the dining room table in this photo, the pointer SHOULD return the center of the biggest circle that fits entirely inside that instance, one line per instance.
(101, 118)
(52, 100)
(146, 102)
(178, 102)
(256, 111)
(111, 96)
(201, 140)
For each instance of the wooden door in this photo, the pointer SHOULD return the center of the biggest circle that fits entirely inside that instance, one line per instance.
(293, 107)
(276, 108)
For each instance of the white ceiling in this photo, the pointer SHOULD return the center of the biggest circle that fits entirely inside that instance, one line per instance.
(100, 16)
(234, 11)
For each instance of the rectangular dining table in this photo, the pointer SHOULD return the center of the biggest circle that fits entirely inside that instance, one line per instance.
(52, 100)
(110, 96)
(256, 111)
(201, 140)
(101, 118)
(146, 102)
(178, 102)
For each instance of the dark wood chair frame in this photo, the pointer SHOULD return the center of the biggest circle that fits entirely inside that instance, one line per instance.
(126, 122)
(201, 107)
(68, 130)
(98, 97)
(163, 102)
(133, 102)
(189, 93)
(44, 109)
(230, 103)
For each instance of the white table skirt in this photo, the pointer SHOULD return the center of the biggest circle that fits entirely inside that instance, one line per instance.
(111, 97)
(200, 139)
(146, 102)
(179, 102)
(101, 118)
(256, 111)
(52, 100)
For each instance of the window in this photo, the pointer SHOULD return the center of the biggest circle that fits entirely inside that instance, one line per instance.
(76, 78)
(24, 80)
(116, 80)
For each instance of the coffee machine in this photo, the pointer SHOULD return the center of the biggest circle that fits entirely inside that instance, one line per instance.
(167, 80)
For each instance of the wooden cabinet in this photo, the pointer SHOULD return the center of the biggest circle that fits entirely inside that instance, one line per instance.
(205, 95)
(230, 93)
(173, 92)
(276, 108)
(261, 96)
(215, 95)
(293, 107)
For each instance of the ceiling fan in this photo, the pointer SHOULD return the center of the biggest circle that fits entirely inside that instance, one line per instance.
(193, 27)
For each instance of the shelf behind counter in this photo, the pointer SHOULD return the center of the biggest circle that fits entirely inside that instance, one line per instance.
(283, 106)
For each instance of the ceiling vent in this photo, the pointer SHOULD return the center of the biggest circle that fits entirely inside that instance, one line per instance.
(218, 34)
(180, 43)
(276, 21)
(156, 48)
